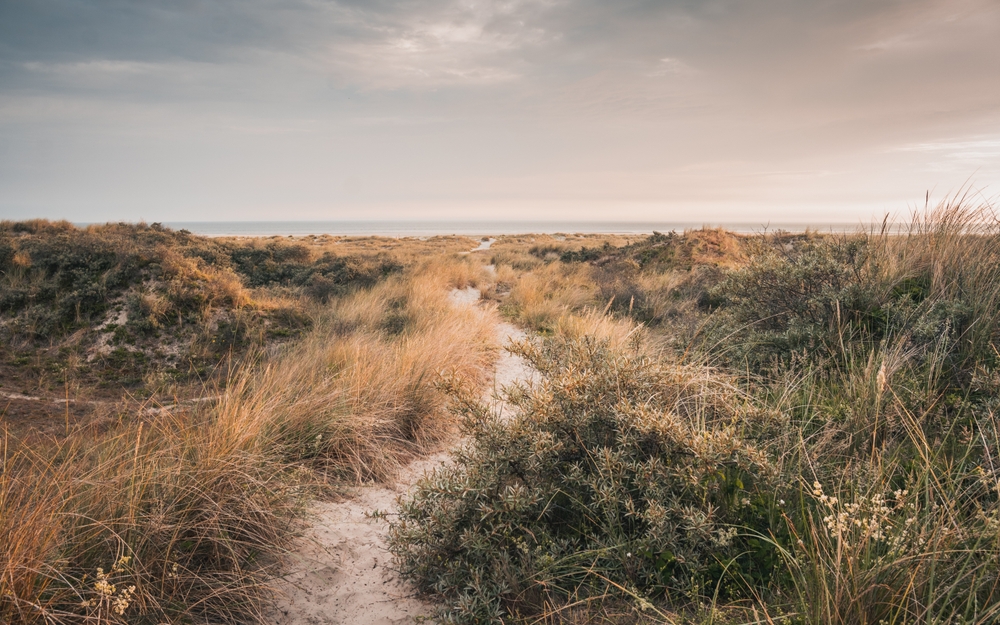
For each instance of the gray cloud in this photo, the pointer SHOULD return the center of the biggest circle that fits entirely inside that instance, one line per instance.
(111, 107)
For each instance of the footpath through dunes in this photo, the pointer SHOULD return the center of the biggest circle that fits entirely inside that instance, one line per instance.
(341, 569)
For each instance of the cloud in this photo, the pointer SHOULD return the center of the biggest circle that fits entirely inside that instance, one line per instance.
(91, 68)
(669, 66)
(971, 156)
(656, 99)
(434, 45)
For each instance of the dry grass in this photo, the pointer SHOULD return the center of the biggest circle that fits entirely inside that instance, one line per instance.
(357, 395)
(537, 299)
(653, 280)
(193, 509)
(866, 363)
(200, 517)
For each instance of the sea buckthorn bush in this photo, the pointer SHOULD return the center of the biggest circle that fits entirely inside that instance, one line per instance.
(619, 476)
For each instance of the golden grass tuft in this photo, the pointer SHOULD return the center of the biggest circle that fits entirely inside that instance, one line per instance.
(357, 395)
(194, 509)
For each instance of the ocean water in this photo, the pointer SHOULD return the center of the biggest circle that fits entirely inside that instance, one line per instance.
(475, 228)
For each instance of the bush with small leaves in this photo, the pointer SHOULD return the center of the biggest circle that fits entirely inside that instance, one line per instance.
(619, 477)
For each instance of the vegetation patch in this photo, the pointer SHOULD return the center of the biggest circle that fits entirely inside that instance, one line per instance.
(787, 427)
(150, 310)
(620, 476)
(858, 480)
(184, 515)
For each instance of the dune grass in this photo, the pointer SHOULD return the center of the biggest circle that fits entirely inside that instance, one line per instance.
(185, 516)
(792, 428)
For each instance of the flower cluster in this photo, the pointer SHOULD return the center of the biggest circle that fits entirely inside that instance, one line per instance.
(871, 516)
(107, 596)
(121, 603)
(990, 479)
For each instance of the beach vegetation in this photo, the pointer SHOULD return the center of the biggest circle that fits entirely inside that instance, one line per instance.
(720, 428)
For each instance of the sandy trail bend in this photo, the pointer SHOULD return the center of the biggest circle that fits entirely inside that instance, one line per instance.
(341, 572)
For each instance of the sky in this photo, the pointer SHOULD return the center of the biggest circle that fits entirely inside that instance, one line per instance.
(708, 111)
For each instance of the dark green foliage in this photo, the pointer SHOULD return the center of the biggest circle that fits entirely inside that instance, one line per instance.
(229, 337)
(546, 252)
(586, 254)
(291, 265)
(272, 263)
(618, 472)
(123, 367)
(659, 250)
(824, 296)
(781, 303)
(809, 288)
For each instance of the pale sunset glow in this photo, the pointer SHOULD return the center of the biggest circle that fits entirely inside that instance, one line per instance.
(715, 111)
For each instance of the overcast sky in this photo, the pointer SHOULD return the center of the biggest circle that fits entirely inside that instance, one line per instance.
(714, 111)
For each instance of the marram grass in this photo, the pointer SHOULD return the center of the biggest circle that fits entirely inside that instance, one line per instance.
(186, 518)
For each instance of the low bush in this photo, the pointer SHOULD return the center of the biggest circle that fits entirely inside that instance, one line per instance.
(273, 263)
(619, 476)
(934, 288)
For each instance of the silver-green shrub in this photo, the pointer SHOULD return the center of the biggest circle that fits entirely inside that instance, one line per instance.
(619, 476)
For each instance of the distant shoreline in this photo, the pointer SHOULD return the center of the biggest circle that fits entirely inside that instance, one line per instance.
(479, 228)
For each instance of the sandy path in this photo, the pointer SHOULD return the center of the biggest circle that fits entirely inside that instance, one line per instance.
(342, 570)
(483, 246)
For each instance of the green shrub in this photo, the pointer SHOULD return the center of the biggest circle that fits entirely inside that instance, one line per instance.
(783, 302)
(283, 264)
(620, 475)
(586, 254)
(825, 298)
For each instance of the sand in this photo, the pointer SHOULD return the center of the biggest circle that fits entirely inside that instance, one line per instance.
(341, 569)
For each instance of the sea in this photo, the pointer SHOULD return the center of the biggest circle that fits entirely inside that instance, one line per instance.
(480, 228)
